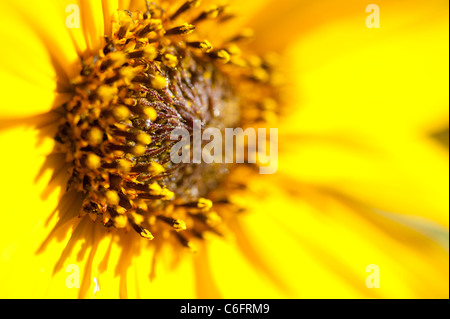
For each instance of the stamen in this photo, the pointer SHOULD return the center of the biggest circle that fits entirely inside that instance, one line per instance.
(185, 242)
(221, 55)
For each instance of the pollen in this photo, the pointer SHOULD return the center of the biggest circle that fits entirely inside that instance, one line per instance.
(159, 82)
(120, 112)
(159, 70)
(144, 138)
(204, 204)
(93, 161)
(151, 113)
(146, 234)
(112, 198)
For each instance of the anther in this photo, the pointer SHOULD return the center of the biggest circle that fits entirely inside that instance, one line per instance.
(205, 46)
(185, 7)
(211, 13)
(184, 29)
(246, 34)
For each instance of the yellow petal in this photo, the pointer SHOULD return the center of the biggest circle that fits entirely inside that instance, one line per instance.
(44, 50)
(410, 178)
(367, 99)
(235, 276)
(401, 67)
(43, 26)
(27, 217)
(321, 244)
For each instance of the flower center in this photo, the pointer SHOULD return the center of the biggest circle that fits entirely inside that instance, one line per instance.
(148, 80)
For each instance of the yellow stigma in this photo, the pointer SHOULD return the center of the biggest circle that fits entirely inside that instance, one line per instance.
(184, 29)
(121, 113)
(179, 225)
(233, 49)
(153, 76)
(194, 3)
(112, 198)
(261, 75)
(223, 56)
(206, 46)
(170, 60)
(146, 234)
(95, 136)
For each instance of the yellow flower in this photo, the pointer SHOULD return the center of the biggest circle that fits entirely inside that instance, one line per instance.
(360, 181)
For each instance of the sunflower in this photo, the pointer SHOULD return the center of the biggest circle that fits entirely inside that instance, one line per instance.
(361, 186)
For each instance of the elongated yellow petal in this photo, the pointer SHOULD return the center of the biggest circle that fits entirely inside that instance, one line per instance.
(320, 246)
(44, 245)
